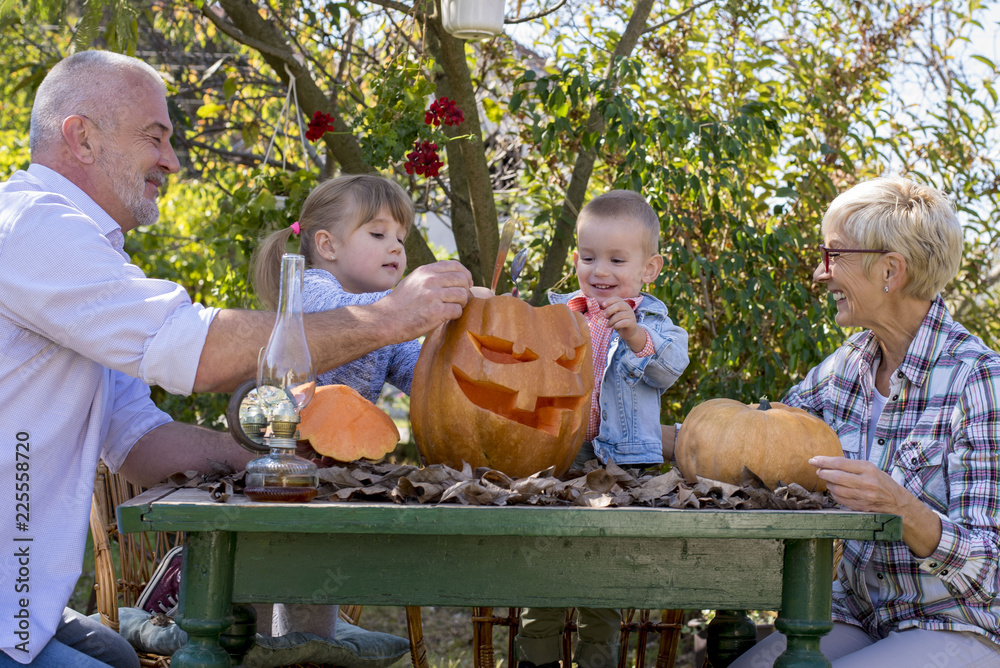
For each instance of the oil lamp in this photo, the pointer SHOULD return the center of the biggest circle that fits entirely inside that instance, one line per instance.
(286, 382)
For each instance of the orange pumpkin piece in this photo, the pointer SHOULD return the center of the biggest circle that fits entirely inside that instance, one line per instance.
(342, 424)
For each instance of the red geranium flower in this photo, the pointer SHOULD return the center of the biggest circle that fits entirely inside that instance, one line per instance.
(423, 159)
(443, 111)
(319, 125)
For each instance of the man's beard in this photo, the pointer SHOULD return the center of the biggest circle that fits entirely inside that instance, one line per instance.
(129, 187)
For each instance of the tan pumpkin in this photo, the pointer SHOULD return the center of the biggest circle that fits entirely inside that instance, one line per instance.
(721, 436)
(340, 423)
(507, 385)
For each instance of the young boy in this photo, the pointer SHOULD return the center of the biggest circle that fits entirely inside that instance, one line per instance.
(638, 353)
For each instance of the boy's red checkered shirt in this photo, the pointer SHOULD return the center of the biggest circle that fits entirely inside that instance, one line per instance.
(600, 336)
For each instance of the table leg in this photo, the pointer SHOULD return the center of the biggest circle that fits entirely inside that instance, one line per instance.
(241, 636)
(729, 634)
(206, 598)
(806, 597)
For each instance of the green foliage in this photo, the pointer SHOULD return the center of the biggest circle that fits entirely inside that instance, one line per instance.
(739, 136)
(389, 127)
(113, 21)
(739, 122)
(14, 153)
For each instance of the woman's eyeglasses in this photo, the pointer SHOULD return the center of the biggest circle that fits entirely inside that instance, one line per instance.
(827, 253)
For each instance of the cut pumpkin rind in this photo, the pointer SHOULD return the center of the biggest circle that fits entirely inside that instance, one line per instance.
(342, 424)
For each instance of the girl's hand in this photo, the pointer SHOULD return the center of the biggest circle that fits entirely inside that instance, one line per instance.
(621, 318)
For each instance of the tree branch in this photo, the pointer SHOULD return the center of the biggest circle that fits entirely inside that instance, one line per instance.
(246, 17)
(251, 159)
(243, 38)
(677, 17)
(467, 167)
(534, 17)
(562, 236)
(398, 6)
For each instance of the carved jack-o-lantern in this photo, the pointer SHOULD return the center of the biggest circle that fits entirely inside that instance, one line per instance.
(507, 385)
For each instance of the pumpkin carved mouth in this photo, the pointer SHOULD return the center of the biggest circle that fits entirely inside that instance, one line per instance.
(549, 415)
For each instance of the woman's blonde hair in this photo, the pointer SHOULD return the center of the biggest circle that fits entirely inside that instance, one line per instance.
(916, 221)
(339, 205)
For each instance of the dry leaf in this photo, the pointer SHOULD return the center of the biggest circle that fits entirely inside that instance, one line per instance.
(160, 619)
(594, 486)
(658, 487)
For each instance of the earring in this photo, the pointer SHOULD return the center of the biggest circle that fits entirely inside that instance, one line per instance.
(887, 288)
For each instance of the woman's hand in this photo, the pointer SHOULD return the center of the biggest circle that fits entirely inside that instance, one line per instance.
(860, 485)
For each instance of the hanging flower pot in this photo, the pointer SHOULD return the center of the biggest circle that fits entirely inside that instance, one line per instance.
(472, 19)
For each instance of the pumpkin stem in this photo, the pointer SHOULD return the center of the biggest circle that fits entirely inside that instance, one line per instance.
(764, 405)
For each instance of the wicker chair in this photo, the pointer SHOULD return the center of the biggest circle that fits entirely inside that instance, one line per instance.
(633, 621)
(141, 553)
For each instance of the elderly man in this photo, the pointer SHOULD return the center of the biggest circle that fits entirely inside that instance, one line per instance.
(84, 332)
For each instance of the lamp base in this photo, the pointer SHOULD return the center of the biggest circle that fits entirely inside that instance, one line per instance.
(281, 494)
(282, 476)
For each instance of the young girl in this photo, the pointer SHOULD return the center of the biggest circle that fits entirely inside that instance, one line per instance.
(351, 231)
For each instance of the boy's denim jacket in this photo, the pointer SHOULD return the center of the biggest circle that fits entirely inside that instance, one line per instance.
(631, 386)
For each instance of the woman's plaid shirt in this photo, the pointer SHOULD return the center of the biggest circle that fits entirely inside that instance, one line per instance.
(938, 436)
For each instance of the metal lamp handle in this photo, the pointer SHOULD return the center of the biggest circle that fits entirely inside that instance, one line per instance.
(233, 417)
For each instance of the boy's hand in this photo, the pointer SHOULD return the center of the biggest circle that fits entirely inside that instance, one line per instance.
(621, 318)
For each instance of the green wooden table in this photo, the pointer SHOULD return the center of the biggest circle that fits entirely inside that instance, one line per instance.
(451, 555)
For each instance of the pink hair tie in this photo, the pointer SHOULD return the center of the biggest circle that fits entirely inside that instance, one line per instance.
(295, 227)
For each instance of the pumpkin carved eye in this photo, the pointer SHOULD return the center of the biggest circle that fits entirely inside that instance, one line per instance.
(500, 351)
(574, 363)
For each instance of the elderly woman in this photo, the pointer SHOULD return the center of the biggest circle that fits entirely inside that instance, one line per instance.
(915, 400)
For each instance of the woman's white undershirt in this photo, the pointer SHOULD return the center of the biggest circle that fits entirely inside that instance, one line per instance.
(878, 403)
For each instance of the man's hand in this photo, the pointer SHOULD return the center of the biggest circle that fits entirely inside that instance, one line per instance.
(482, 292)
(430, 295)
(621, 318)
(177, 446)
